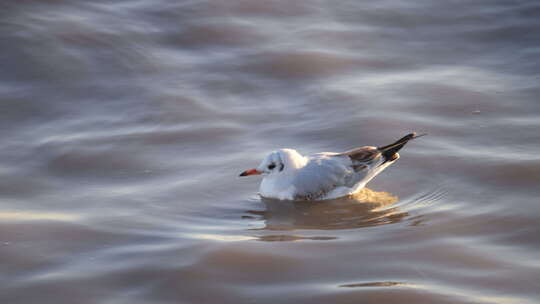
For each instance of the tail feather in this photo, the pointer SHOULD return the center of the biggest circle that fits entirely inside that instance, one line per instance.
(390, 150)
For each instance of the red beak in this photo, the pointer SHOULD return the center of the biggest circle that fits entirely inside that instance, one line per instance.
(250, 172)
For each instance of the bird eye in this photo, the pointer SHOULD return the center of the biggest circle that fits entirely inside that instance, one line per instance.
(271, 166)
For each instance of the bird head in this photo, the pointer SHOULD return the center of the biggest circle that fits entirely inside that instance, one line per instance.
(280, 161)
(269, 165)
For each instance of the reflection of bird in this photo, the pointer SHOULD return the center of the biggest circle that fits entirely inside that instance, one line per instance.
(327, 175)
(366, 208)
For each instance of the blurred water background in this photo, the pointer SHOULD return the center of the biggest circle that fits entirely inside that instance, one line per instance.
(124, 125)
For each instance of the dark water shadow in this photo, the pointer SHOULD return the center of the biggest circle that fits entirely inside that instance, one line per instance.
(366, 208)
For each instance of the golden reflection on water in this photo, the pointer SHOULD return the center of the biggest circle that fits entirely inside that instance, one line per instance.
(364, 209)
(472, 296)
(36, 216)
(373, 284)
(218, 237)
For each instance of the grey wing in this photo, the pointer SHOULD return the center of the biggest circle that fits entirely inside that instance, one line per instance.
(366, 162)
(322, 174)
(364, 157)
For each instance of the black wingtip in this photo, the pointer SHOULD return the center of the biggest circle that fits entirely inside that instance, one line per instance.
(389, 151)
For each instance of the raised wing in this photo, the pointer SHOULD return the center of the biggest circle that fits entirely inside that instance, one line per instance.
(327, 171)
(352, 169)
(364, 157)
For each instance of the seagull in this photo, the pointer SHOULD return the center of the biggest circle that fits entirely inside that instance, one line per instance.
(288, 175)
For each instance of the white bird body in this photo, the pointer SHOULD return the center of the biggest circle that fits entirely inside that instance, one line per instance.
(290, 176)
(319, 176)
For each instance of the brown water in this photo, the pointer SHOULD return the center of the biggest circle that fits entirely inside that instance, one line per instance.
(124, 125)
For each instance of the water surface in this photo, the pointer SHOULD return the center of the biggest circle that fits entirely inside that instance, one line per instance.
(124, 126)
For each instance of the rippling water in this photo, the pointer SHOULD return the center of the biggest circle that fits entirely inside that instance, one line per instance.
(124, 126)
